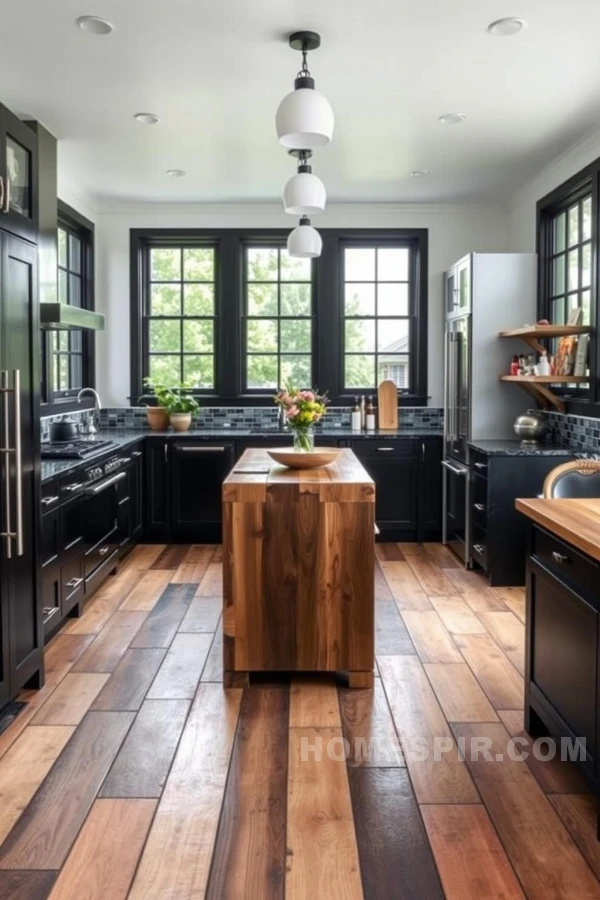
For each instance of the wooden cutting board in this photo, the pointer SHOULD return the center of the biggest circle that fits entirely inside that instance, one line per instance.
(387, 406)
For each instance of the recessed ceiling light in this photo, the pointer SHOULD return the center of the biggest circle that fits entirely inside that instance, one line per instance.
(419, 173)
(452, 118)
(147, 118)
(506, 27)
(175, 173)
(95, 25)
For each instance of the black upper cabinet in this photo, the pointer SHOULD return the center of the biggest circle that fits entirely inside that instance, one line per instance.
(198, 469)
(18, 176)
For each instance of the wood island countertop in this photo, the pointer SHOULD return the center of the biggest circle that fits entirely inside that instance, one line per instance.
(575, 521)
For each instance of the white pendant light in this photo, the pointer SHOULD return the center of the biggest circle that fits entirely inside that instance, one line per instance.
(304, 194)
(304, 119)
(304, 241)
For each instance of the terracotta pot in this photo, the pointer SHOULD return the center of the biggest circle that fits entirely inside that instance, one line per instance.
(158, 418)
(181, 421)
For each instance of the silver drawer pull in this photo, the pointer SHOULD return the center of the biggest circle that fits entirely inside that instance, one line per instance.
(48, 501)
(559, 558)
(479, 507)
(385, 449)
(71, 488)
(74, 582)
(136, 453)
(103, 485)
(103, 551)
(202, 449)
(479, 548)
(481, 465)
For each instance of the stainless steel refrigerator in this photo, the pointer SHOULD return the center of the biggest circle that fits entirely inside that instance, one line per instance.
(484, 294)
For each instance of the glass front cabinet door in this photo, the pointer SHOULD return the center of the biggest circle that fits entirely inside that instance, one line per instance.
(18, 176)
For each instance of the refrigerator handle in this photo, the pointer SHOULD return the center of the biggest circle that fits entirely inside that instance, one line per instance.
(449, 417)
(18, 460)
(5, 452)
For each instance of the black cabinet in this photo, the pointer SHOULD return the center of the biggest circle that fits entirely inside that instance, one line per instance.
(18, 176)
(430, 490)
(562, 690)
(20, 617)
(156, 493)
(130, 492)
(394, 467)
(197, 472)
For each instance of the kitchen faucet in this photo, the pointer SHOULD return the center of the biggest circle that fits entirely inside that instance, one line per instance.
(90, 428)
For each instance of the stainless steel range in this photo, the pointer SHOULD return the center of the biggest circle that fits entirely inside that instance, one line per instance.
(79, 449)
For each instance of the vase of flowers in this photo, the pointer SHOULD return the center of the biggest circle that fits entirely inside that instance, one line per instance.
(302, 410)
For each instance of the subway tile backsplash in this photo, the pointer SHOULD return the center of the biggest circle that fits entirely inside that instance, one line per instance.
(80, 417)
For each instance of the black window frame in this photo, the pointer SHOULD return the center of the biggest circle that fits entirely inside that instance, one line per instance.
(56, 401)
(328, 308)
(583, 183)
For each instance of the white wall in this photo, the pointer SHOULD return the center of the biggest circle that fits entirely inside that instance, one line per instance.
(453, 231)
(522, 207)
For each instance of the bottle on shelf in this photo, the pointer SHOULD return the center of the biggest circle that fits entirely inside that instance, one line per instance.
(370, 415)
(355, 417)
(544, 367)
(514, 366)
(363, 412)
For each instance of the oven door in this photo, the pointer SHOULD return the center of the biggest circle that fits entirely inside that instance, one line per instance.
(101, 521)
(456, 509)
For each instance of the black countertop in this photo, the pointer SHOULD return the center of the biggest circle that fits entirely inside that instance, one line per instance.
(123, 438)
(517, 448)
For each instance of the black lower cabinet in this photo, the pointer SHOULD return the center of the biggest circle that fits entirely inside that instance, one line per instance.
(156, 490)
(197, 472)
(130, 499)
(562, 663)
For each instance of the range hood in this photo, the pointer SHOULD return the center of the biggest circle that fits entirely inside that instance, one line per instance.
(61, 317)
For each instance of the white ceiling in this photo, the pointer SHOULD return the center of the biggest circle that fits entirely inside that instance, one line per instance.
(216, 71)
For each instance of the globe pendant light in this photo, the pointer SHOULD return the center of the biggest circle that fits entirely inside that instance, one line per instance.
(304, 241)
(304, 120)
(304, 194)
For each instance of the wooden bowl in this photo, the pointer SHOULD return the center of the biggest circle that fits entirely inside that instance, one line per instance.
(293, 459)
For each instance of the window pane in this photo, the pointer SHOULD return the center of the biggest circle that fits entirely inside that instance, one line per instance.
(76, 343)
(296, 371)
(165, 264)
(198, 299)
(63, 340)
(359, 264)
(63, 372)
(295, 335)
(262, 372)
(559, 232)
(262, 264)
(75, 290)
(360, 335)
(360, 300)
(74, 253)
(62, 247)
(392, 335)
(585, 305)
(394, 368)
(295, 299)
(165, 336)
(198, 336)
(198, 264)
(558, 312)
(63, 296)
(359, 371)
(295, 269)
(76, 371)
(165, 300)
(392, 264)
(165, 370)
(262, 336)
(558, 276)
(573, 225)
(198, 371)
(262, 299)
(573, 280)
(586, 208)
(392, 299)
(586, 265)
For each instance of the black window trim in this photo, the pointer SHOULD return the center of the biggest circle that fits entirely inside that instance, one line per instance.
(60, 401)
(587, 181)
(327, 309)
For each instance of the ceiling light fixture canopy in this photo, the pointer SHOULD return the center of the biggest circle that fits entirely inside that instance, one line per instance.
(175, 173)
(506, 27)
(95, 25)
(304, 241)
(304, 193)
(304, 119)
(452, 118)
(146, 118)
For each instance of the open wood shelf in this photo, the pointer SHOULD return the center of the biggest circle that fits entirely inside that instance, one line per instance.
(546, 379)
(533, 334)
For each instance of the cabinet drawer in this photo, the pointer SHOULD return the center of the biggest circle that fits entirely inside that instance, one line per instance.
(479, 547)
(100, 553)
(71, 584)
(383, 448)
(567, 563)
(50, 495)
(479, 463)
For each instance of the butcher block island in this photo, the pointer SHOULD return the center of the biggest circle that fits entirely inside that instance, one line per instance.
(298, 569)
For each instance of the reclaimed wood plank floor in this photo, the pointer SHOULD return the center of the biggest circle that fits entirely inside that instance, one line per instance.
(134, 774)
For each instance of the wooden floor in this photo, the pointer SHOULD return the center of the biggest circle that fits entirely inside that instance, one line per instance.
(134, 774)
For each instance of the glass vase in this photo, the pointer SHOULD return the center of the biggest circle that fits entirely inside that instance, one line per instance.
(304, 440)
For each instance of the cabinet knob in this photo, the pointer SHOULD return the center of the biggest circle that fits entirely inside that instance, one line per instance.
(559, 558)
(480, 466)
(479, 507)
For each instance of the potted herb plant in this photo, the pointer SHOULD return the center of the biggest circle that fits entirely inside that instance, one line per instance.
(157, 416)
(302, 410)
(180, 405)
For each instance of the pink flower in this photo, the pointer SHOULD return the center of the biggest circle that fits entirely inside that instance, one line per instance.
(292, 412)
